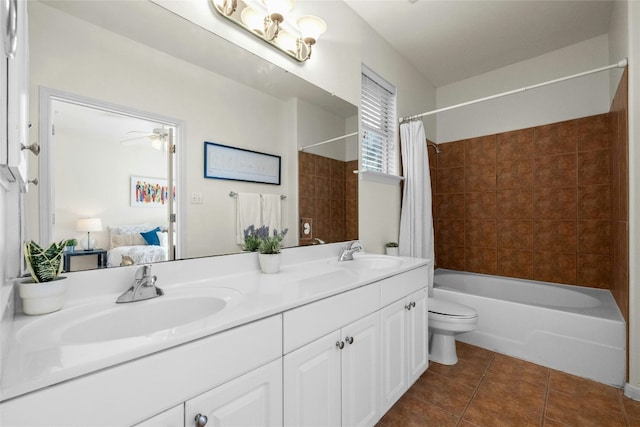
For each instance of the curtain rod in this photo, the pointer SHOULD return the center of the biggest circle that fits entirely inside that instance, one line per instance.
(620, 64)
(329, 140)
(234, 194)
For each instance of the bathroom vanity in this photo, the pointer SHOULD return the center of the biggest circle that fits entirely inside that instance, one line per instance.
(320, 342)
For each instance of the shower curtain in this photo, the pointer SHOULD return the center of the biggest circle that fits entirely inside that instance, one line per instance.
(416, 218)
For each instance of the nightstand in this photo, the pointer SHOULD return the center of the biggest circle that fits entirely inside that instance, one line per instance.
(101, 254)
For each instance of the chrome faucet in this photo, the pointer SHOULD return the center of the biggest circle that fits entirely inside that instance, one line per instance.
(349, 249)
(144, 287)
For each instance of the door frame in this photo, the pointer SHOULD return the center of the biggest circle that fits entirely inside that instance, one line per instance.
(45, 168)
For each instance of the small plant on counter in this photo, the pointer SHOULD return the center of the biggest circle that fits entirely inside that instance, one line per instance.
(272, 244)
(253, 236)
(44, 264)
(391, 244)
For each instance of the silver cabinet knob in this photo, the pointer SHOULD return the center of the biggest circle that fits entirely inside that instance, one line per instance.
(413, 304)
(34, 148)
(340, 344)
(349, 340)
(407, 306)
(201, 420)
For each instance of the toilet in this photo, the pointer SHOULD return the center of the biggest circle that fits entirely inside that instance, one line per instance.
(446, 320)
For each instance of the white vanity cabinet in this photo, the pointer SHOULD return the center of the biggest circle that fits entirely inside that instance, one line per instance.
(254, 399)
(173, 417)
(335, 380)
(404, 336)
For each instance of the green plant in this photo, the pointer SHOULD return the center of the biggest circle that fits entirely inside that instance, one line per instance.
(253, 236)
(391, 244)
(272, 244)
(44, 264)
(71, 242)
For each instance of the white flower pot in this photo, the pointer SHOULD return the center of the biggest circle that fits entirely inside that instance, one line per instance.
(392, 251)
(269, 263)
(43, 298)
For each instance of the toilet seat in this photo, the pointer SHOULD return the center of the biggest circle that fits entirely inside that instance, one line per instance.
(451, 309)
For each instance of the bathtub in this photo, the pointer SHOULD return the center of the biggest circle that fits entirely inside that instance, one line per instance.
(572, 329)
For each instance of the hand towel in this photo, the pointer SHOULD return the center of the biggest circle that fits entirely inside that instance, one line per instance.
(271, 212)
(247, 213)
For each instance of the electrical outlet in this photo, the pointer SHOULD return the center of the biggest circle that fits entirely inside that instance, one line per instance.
(196, 198)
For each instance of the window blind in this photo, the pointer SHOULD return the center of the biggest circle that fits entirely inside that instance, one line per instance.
(378, 115)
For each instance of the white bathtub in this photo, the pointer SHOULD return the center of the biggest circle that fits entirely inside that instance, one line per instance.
(569, 328)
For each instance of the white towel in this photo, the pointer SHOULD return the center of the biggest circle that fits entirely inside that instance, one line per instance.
(271, 212)
(248, 213)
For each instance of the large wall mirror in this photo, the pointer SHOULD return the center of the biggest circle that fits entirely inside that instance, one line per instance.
(140, 71)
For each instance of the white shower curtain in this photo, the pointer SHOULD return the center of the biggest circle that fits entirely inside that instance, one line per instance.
(416, 219)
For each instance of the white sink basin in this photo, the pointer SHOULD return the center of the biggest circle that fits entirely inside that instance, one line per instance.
(371, 262)
(107, 321)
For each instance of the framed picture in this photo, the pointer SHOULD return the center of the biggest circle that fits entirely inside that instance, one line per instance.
(237, 164)
(150, 192)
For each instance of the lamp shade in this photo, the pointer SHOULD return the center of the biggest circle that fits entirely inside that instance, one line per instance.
(252, 19)
(287, 41)
(89, 224)
(311, 27)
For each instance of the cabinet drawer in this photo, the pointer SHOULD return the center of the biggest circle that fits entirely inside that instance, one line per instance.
(307, 323)
(396, 287)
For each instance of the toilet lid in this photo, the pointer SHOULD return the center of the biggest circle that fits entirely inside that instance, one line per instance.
(453, 309)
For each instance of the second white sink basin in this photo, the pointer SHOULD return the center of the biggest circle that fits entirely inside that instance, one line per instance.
(108, 321)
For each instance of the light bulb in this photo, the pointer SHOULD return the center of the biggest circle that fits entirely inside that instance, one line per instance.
(311, 28)
(278, 9)
(252, 20)
(287, 41)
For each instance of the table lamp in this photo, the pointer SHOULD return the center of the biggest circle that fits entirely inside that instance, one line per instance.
(89, 225)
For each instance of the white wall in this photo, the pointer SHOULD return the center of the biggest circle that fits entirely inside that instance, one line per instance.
(618, 40)
(575, 98)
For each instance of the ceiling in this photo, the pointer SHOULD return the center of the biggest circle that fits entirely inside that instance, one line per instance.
(449, 41)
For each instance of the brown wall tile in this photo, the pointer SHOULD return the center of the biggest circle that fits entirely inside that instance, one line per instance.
(515, 234)
(515, 263)
(593, 167)
(323, 188)
(555, 203)
(306, 207)
(449, 206)
(513, 174)
(555, 267)
(337, 190)
(306, 165)
(594, 202)
(450, 232)
(450, 180)
(480, 205)
(515, 145)
(451, 155)
(337, 170)
(480, 177)
(556, 138)
(555, 236)
(307, 185)
(323, 166)
(451, 257)
(592, 132)
(594, 237)
(480, 260)
(480, 232)
(556, 171)
(480, 150)
(514, 204)
(594, 271)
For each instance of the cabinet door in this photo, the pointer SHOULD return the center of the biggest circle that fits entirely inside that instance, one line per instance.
(394, 353)
(361, 372)
(254, 399)
(312, 383)
(417, 335)
(173, 417)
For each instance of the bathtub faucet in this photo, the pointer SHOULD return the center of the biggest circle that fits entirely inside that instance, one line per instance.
(349, 249)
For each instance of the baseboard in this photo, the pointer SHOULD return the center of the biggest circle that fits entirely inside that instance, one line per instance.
(632, 392)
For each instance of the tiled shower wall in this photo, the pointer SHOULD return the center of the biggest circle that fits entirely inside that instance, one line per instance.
(533, 203)
(328, 195)
(620, 196)
(546, 203)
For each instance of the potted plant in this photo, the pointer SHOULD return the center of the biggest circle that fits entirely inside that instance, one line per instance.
(269, 251)
(44, 293)
(253, 236)
(391, 248)
(70, 245)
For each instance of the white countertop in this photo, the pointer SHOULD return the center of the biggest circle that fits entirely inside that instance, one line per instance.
(306, 275)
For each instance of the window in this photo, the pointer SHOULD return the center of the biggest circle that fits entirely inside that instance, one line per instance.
(378, 113)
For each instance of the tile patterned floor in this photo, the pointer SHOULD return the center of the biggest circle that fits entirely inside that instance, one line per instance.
(487, 389)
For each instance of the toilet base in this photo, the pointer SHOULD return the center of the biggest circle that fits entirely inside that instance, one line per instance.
(442, 349)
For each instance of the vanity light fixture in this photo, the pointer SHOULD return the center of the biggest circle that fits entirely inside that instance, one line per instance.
(267, 19)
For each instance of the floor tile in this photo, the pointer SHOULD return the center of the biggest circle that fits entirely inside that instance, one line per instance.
(509, 391)
(582, 411)
(510, 367)
(488, 410)
(449, 395)
(469, 352)
(468, 372)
